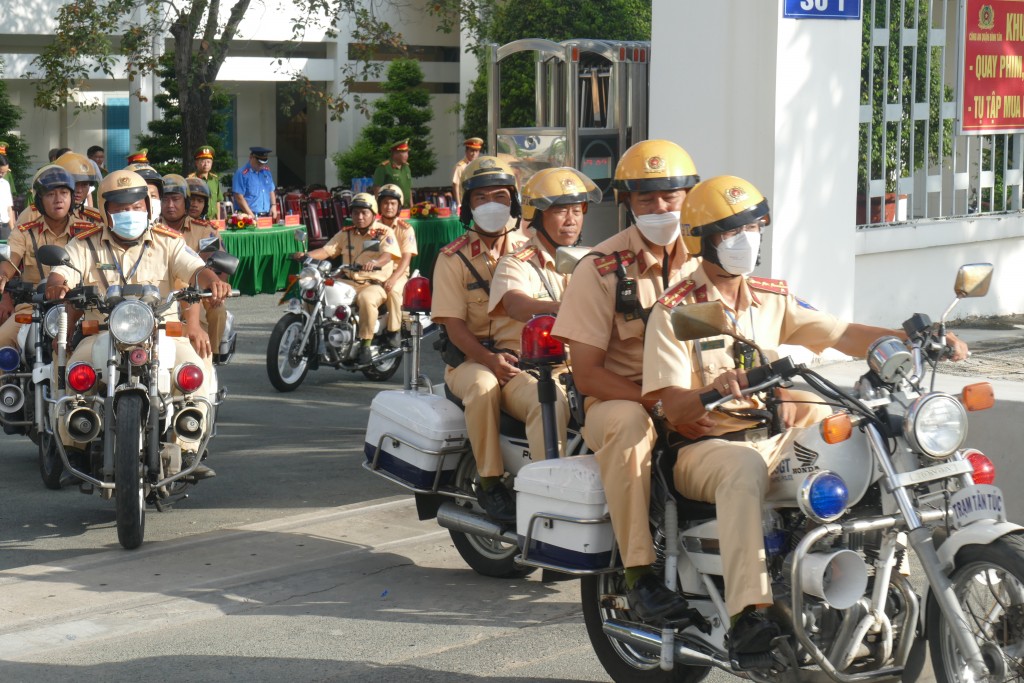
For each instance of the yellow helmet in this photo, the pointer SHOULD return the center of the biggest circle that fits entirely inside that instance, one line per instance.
(363, 200)
(487, 171)
(123, 187)
(557, 186)
(390, 191)
(653, 165)
(82, 168)
(720, 204)
(149, 174)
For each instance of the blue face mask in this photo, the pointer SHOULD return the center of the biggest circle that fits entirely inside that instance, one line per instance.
(129, 225)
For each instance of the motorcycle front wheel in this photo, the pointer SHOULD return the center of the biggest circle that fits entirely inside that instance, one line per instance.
(51, 468)
(623, 662)
(484, 555)
(988, 581)
(287, 364)
(128, 491)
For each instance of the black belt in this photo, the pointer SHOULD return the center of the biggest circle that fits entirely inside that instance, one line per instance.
(743, 435)
(263, 214)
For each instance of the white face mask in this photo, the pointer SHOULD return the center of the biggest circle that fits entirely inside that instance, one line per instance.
(659, 228)
(738, 254)
(155, 208)
(492, 217)
(129, 224)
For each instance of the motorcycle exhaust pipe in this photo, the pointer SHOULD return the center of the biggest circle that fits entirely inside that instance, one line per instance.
(12, 398)
(188, 424)
(649, 640)
(457, 518)
(838, 578)
(83, 424)
(387, 356)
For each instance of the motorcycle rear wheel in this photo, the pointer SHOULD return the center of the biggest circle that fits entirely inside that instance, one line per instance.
(988, 581)
(621, 661)
(128, 490)
(382, 372)
(283, 373)
(485, 556)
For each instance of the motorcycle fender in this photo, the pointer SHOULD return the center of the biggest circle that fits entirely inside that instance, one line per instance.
(427, 505)
(979, 533)
(168, 359)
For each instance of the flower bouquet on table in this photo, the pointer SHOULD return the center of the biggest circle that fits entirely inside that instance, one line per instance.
(240, 221)
(423, 210)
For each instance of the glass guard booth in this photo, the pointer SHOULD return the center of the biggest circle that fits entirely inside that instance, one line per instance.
(590, 105)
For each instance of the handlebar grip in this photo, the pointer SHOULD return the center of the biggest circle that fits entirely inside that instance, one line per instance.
(759, 374)
(709, 397)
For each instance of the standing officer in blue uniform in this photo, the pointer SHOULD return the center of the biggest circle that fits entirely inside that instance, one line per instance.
(253, 185)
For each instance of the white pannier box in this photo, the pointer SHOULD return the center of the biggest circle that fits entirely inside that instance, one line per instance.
(420, 436)
(565, 500)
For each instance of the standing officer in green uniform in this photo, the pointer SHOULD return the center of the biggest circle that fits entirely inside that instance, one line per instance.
(204, 169)
(396, 171)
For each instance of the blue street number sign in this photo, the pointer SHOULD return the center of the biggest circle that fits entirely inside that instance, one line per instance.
(821, 9)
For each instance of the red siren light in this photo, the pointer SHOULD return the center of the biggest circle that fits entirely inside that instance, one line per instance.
(538, 346)
(416, 296)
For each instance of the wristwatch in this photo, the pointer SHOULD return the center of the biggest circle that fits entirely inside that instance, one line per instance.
(658, 410)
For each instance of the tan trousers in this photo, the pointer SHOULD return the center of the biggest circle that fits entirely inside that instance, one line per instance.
(734, 476)
(213, 320)
(9, 330)
(184, 354)
(622, 436)
(519, 399)
(394, 322)
(369, 297)
(478, 389)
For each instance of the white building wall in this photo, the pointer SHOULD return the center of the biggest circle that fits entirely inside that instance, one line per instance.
(775, 101)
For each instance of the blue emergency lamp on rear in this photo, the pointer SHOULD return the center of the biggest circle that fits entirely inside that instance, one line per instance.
(9, 359)
(824, 496)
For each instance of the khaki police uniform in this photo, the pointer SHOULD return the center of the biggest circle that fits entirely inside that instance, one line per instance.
(457, 294)
(23, 251)
(159, 258)
(734, 473)
(530, 269)
(212, 318)
(369, 285)
(460, 166)
(406, 238)
(620, 433)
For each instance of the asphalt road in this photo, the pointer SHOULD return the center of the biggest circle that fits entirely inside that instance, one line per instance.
(294, 563)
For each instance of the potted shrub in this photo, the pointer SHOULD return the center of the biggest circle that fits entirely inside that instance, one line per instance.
(890, 75)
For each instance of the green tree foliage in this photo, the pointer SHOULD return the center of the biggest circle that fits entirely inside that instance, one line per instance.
(17, 150)
(500, 21)
(167, 153)
(404, 112)
(95, 35)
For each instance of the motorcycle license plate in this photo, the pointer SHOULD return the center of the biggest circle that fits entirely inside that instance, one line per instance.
(980, 501)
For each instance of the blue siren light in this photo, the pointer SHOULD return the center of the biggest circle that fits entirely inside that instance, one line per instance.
(824, 496)
(9, 359)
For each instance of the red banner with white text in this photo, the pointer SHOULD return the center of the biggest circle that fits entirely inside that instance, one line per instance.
(992, 67)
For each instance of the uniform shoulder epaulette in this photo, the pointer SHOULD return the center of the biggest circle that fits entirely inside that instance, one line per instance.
(385, 162)
(79, 227)
(201, 222)
(404, 224)
(763, 284)
(28, 225)
(92, 214)
(676, 293)
(191, 175)
(164, 230)
(525, 254)
(452, 247)
(88, 232)
(608, 264)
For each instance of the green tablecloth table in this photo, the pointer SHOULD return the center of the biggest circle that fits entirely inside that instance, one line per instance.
(264, 257)
(431, 235)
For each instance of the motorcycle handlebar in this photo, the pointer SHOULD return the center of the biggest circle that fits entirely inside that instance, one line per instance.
(760, 378)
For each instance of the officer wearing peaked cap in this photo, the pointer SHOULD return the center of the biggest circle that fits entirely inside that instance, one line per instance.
(203, 159)
(253, 185)
(396, 171)
(473, 147)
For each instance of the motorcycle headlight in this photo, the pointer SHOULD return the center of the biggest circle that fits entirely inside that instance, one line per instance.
(308, 277)
(51, 320)
(935, 425)
(131, 322)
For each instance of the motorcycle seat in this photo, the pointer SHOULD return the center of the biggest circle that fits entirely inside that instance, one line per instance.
(688, 509)
(508, 426)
